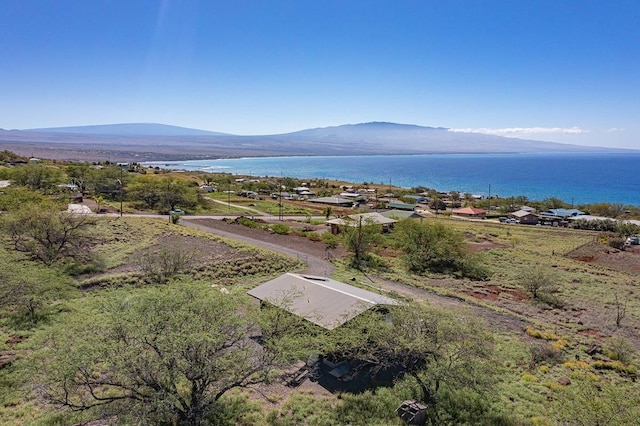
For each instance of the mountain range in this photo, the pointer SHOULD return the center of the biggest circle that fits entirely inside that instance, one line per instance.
(149, 141)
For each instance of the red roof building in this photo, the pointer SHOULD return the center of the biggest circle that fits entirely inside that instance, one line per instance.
(469, 212)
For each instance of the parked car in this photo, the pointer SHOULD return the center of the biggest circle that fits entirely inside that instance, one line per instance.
(634, 241)
(176, 211)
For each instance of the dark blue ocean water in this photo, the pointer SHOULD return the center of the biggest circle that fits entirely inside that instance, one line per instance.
(581, 178)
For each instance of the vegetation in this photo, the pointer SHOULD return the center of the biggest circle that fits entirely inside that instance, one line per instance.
(158, 357)
(46, 234)
(359, 238)
(138, 321)
(433, 247)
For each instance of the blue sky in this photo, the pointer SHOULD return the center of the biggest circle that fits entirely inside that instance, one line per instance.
(556, 70)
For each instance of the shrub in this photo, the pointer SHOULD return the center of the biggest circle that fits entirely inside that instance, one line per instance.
(617, 366)
(539, 334)
(245, 221)
(619, 349)
(314, 236)
(330, 240)
(281, 228)
(544, 353)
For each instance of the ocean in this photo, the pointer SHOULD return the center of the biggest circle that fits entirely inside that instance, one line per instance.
(577, 178)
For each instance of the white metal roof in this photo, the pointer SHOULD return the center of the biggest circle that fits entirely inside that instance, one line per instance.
(323, 301)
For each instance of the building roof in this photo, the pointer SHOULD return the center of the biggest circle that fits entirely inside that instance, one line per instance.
(469, 211)
(323, 301)
(331, 200)
(401, 214)
(371, 218)
(522, 213)
(401, 206)
(563, 212)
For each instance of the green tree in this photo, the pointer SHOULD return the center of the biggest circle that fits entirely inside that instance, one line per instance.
(26, 290)
(146, 192)
(47, 234)
(440, 352)
(429, 246)
(359, 236)
(586, 402)
(37, 177)
(159, 357)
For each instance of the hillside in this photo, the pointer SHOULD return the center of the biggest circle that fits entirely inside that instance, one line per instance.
(145, 142)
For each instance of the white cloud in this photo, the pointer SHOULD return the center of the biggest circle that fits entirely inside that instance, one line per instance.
(616, 129)
(525, 131)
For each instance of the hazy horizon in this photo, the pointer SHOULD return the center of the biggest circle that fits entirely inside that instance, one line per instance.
(561, 72)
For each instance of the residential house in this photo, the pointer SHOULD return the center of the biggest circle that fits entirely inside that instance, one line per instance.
(470, 212)
(320, 300)
(371, 218)
(524, 217)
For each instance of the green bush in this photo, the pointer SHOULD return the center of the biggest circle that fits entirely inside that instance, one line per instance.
(281, 228)
(314, 236)
(249, 223)
(330, 240)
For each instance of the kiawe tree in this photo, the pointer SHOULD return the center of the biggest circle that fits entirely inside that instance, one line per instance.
(46, 233)
(440, 352)
(359, 236)
(161, 357)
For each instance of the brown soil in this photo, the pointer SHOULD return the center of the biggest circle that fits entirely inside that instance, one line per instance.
(314, 253)
(627, 260)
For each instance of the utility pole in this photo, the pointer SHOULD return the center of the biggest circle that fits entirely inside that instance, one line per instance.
(121, 185)
(280, 198)
(489, 200)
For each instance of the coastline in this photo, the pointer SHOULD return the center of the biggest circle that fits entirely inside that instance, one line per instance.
(584, 178)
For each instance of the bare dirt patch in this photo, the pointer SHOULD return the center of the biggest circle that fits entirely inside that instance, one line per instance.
(600, 254)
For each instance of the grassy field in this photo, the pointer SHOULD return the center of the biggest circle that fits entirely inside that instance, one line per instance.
(544, 367)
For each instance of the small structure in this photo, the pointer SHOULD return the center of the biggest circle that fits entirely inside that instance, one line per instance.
(322, 301)
(362, 218)
(207, 188)
(470, 212)
(412, 412)
(524, 217)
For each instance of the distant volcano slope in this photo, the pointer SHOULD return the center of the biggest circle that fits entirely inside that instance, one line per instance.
(147, 142)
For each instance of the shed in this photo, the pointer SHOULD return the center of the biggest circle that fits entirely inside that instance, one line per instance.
(322, 301)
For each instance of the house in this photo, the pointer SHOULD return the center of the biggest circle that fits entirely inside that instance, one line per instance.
(470, 212)
(402, 214)
(335, 201)
(322, 301)
(362, 218)
(562, 212)
(524, 217)
(401, 206)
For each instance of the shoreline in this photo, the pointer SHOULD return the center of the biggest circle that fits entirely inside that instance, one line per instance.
(584, 178)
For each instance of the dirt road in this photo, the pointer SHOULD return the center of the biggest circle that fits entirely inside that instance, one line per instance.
(314, 253)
